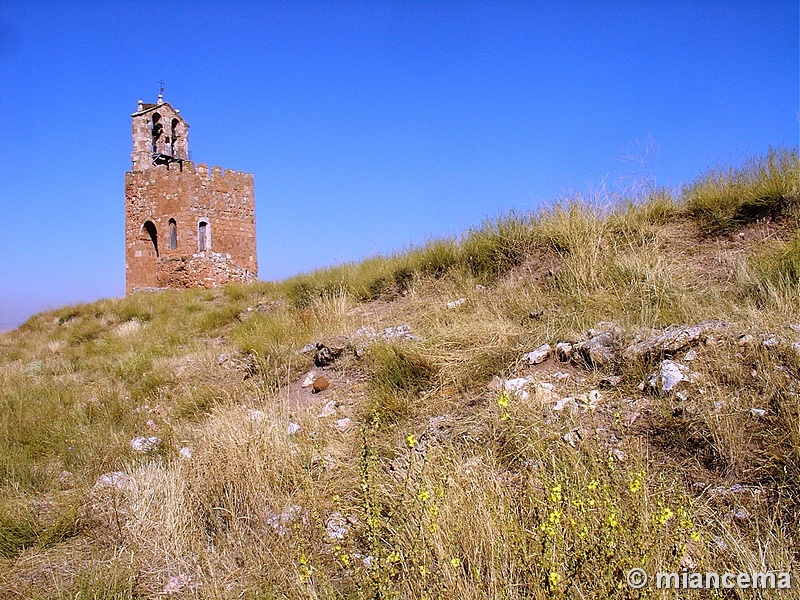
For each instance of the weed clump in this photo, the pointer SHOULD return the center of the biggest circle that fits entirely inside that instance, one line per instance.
(727, 198)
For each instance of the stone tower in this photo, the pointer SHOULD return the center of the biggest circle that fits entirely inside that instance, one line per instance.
(185, 225)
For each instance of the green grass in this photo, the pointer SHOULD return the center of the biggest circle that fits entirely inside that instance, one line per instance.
(728, 197)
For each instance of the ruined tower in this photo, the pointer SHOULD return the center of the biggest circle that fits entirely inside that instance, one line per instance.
(185, 225)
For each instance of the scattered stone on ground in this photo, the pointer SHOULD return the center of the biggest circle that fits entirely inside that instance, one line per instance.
(741, 514)
(564, 351)
(572, 437)
(758, 412)
(309, 380)
(292, 428)
(456, 303)
(222, 358)
(673, 339)
(185, 452)
(343, 424)
(328, 410)
(539, 355)
(254, 415)
(175, 584)
(328, 350)
(281, 522)
(336, 526)
(669, 375)
(146, 444)
(114, 479)
(598, 351)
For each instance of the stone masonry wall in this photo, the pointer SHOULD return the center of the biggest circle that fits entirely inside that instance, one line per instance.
(189, 195)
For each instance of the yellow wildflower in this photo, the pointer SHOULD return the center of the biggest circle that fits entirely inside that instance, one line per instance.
(555, 493)
(411, 440)
(455, 562)
(502, 401)
(424, 495)
(553, 579)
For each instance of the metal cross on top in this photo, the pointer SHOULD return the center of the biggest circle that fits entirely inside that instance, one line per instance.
(161, 83)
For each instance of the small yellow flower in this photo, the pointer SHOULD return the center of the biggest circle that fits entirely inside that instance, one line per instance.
(555, 493)
(433, 510)
(424, 495)
(592, 485)
(411, 440)
(665, 515)
(695, 535)
(455, 562)
(433, 528)
(502, 401)
(553, 579)
(423, 571)
(612, 519)
(394, 556)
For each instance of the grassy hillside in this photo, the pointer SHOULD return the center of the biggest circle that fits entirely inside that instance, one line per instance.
(440, 461)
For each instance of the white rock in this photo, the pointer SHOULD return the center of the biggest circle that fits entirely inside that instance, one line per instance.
(114, 479)
(343, 423)
(517, 387)
(292, 429)
(690, 355)
(741, 514)
(758, 412)
(563, 351)
(480, 288)
(281, 521)
(175, 584)
(563, 403)
(399, 332)
(593, 399)
(539, 355)
(254, 415)
(336, 526)
(222, 358)
(328, 410)
(771, 341)
(309, 380)
(456, 303)
(185, 452)
(572, 437)
(145, 444)
(668, 376)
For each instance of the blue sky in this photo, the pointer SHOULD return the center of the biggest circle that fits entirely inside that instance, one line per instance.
(369, 126)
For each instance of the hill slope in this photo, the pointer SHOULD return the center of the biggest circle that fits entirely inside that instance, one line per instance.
(173, 443)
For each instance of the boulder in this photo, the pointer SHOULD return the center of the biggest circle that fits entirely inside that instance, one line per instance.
(669, 375)
(596, 352)
(539, 355)
(673, 339)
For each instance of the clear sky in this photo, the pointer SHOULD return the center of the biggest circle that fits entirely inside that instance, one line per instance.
(369, 126)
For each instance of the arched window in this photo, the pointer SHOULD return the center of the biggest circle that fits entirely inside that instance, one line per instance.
(150, 231)
(173, 135)
(156, 128)
(173, 234)
(203, 240)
